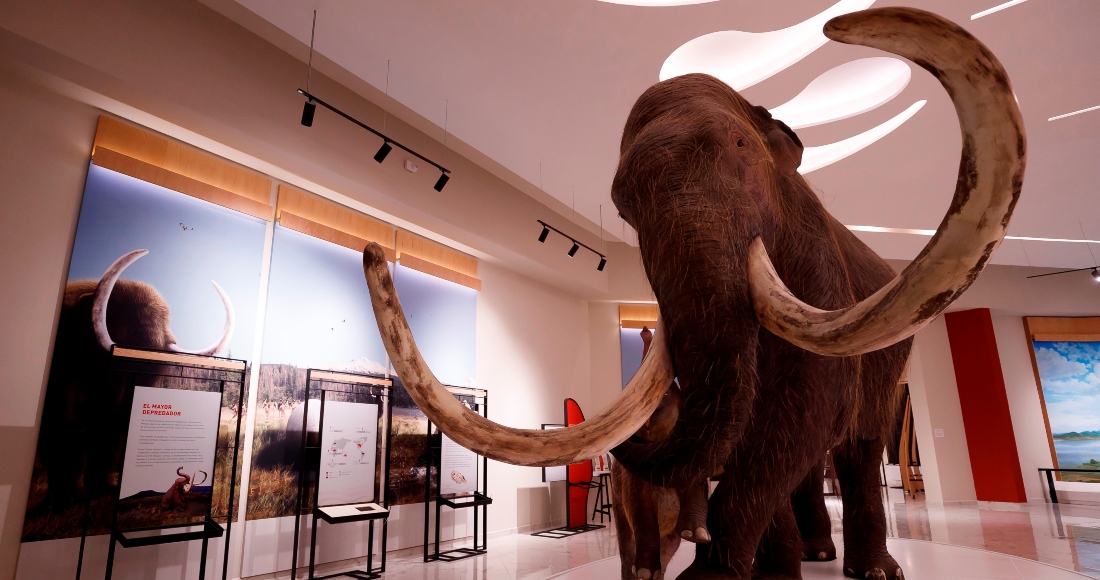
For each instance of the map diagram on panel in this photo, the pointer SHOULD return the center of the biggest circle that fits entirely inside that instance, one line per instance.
(349, 449)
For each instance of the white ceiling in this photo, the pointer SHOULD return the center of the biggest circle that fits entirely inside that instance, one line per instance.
(535, 84)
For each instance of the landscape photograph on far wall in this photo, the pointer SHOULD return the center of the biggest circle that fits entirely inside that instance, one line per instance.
(1068, 373)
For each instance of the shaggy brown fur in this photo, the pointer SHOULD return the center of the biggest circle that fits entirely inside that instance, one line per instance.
(703, 173)
(85, 414)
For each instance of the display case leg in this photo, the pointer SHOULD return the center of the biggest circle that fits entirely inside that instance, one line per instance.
(370, 548)
(202, 559)
(313, 546)
(110, 558)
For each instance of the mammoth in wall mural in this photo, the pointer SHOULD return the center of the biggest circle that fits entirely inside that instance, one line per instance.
(85, 415)
(787, 334)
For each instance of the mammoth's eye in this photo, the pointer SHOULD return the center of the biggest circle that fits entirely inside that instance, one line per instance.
(740, 142)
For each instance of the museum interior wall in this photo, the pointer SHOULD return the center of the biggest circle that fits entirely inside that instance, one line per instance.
(547, 327)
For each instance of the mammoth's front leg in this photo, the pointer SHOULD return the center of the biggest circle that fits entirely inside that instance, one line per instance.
(865, 556)
(814, 524)
(692, 524)
(780, 551)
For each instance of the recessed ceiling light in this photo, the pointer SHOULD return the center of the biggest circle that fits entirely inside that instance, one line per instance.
(1097, 107)
(996, 8)
(657, 2)
(845, 91)
(814, 158)
(742, 59)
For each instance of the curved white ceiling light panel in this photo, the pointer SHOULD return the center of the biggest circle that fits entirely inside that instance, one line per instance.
(814, 158)
(845, 91)
(657, 2)
(742, 59)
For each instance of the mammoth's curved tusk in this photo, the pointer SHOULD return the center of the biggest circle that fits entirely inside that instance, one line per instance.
(537, 448)
(227, 331)
(990, 179)
(205, 476)
(103, 295)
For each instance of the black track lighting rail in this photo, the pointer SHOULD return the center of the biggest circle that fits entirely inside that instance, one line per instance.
(1095, 272)
(577, 244)
(386, 140)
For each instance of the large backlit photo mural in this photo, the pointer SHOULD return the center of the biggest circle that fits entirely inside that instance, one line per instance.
(318, 316)
(183, 267)
(1068, 372)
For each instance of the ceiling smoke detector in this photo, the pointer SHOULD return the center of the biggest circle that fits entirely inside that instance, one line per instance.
(411, 166)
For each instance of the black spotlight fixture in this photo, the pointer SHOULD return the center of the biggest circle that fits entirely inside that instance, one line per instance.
(1095, 275)
(442, 182)
(383, 151)
(546, 228)
(308, 112)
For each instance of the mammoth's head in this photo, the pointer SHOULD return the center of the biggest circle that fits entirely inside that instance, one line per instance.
(693, 139)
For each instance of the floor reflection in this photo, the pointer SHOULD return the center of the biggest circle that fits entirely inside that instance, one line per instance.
(1063, 535)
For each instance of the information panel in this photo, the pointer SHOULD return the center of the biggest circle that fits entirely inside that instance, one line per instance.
(458, 469)
(349, 451)
(169, 458)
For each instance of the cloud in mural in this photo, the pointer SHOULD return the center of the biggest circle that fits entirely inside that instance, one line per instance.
(1054, 365)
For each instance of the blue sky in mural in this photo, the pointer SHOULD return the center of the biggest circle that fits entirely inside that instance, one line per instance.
(190, 243)
(1071, 385)
(318, 309)
(443, 319)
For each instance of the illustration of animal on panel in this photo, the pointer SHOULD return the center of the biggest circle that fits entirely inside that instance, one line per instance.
(176, 496)
(787, 334)
(85, 413)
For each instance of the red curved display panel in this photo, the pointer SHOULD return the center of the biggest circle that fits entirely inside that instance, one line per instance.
(579, 473)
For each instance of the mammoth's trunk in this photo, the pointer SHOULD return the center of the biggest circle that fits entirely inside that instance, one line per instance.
(701, 286)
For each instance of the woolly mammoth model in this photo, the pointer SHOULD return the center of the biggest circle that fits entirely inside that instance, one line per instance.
(786, 332)
(85, 413)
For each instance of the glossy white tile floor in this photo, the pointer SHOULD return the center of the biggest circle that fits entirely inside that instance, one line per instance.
(931, 542)
(920, 560)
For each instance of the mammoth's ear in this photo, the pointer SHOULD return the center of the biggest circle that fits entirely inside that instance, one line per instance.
(786, 147)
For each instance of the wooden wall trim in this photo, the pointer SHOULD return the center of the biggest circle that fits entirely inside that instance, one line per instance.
(410, 244)
(1049, 325)
(410, 261)
(164, 153)
(334, 217)
(323, 232)
(115, 161)
(638, 315)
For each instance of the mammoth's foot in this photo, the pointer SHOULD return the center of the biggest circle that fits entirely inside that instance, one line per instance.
(693, 514)
(698, 571)
(818, 549)
(872, 568)
(645, 573)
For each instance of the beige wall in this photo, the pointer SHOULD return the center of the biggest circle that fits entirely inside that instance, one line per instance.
(1010, 296)
(43, 158)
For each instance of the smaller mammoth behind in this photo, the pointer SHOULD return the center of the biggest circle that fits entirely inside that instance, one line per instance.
(651, 520)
